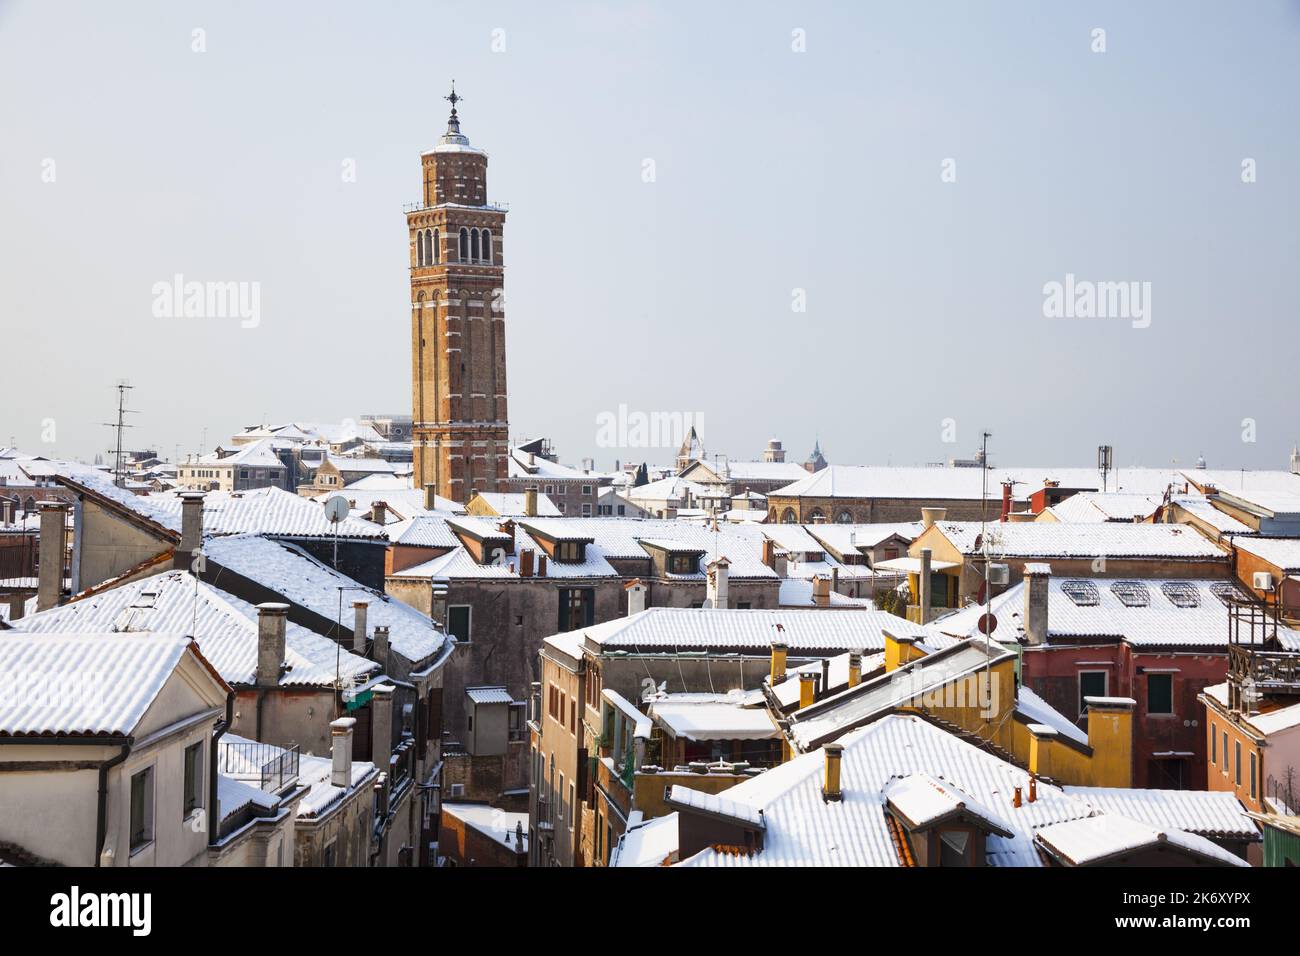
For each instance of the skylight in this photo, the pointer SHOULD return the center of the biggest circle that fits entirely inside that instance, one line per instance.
(1181, 594)
(1082, 593)
(1131, 593)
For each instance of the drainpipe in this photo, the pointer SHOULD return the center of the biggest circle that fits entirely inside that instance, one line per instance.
(214, 811)
(101, 817)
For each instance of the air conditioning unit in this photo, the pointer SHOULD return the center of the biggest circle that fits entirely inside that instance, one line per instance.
(999, 574)
(1263, 581)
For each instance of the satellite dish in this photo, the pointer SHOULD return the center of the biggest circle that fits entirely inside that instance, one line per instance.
(337, 508)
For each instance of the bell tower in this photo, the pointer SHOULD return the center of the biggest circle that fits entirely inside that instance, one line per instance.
(458, 347)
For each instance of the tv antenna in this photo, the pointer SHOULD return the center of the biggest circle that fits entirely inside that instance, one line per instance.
(119, 471)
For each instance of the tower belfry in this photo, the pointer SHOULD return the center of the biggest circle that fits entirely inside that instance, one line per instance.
(458, 350)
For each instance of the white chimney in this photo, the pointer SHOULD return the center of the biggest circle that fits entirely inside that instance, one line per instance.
(341, 751)
(635, 596)
(49, 584)
(271, 622)
(1037, 575)
(718, 576)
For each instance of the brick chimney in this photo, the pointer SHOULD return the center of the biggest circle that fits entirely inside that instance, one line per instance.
(1037, 575)
(635, 596)
(191, 529)
(381, 724)
(381, 646)
(530, 502)
(379, 513)
(341, 751)
(359, 609)
(430, 497)
(768, 553)
(541, 565)
(526, 562)
(49, 583)
(821, 591)
(271, 622)
(834, 757)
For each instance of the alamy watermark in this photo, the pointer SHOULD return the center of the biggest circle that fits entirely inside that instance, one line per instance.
(179, 299)
(1085, 299)
(637, 429)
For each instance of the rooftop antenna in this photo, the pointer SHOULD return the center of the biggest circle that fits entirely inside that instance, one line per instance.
(1105, 454)
(119, 472)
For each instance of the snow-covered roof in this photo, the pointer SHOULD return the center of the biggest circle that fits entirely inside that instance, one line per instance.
(965, 484)
(1204, 510)
(544, 469)
(489, 695)
(234, 795)
(315, 773)
(665, 489)
(1094, 840)
(501, 825)
(1209, 813)
(713, 720)
(1039, 711)
(646, 842)
(302, 580)
(1095, 506)
(1267, 722)
(659, 629)
(922, 801)
(1173, 612)
(798, 592)
(716, 804)
(849, 538)
(1039, 539)
(224, 627)
(837, 677)
(258, 454)
(803, 829)
(1283, 553)
(1245, 482)
(841, 712)
(73, 684)
(513, 504)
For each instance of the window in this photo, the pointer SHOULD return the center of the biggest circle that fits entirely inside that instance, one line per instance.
(1253, 772)
(570, 552)
(586, 489)
(419, 248)
(1238, 763)
(953, 846)
(586, 511)
(464, 244)
(548, 489)
(1131, 593)
(458, 617)
(683, 564)
(141, 809)
(487, 246)
(437, 252)
(1214, 746)
(1091, 684)
(1225, 753)
(193, 777)
(1181, 594)
(469, 723)
(744, 605)
(330, 856)
(473, 245)
(1160, 693)
(577, 608)
(573, 799)
(1082, 593)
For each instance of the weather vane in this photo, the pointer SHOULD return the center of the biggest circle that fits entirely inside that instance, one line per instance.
(453, 99)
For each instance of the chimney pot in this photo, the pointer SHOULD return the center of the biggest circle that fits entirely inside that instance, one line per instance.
(530, 502)
(381, 646)
(635, 596)
(855, 668)
(930, 515)
(379, 513)
(430, 497)
(525, 562)
(807, 688)
(1033, 788)
(1015, 799)
(779, 651)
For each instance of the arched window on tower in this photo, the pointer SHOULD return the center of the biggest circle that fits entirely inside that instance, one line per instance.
(428, 248)
(487, 246)
(437, 249)
(464, 244)
(473, 245)
(419, 248)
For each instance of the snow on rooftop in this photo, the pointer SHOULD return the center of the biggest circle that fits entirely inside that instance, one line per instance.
(1283, 553)
(82, 683)
(1094, 506)
(1041, 712)
(1046, 539)
(713, 721)
(647, 842)
(1210, 813)
(501, 825)
(1093, 840)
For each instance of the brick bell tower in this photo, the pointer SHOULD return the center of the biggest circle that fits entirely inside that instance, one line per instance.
(458, 343)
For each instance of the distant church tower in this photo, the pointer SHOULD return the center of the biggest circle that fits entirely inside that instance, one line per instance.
(458, 344)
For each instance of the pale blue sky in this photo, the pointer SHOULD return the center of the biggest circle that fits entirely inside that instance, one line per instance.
(776, 170)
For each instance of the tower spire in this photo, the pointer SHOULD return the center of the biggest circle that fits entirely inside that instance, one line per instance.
(453, 134)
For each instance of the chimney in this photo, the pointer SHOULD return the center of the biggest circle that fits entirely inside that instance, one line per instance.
(1037, 574)
(430, 497)
(381, 725)
(541, 565)
(1015, 799)
(930, 515)
(526, 562)
(530, 502)
(519, 837)
(17, 606)
(768, 553)
(855, 668)
(381, 646)
(271, 619)
(821, 591)
(834, 757)
(923, 586)
(835, 579)
(635, 596)
(1006, 499)
(900, 651)
(1033, 788)
(438, 604)
(826, 675)
(379, 513)
(779, 651)
(359, 626)
(719, 573)
(341, 751)
(807, 688)
(49, 585)
(6, 507)
(1110, 732)
(191, 529)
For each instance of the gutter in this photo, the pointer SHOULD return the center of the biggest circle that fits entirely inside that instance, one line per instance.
(214, 808)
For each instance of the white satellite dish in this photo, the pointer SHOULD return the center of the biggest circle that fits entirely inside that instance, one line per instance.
(337, 509)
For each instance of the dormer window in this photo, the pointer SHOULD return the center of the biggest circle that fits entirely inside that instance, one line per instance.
(683, 564)
(570, 552)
